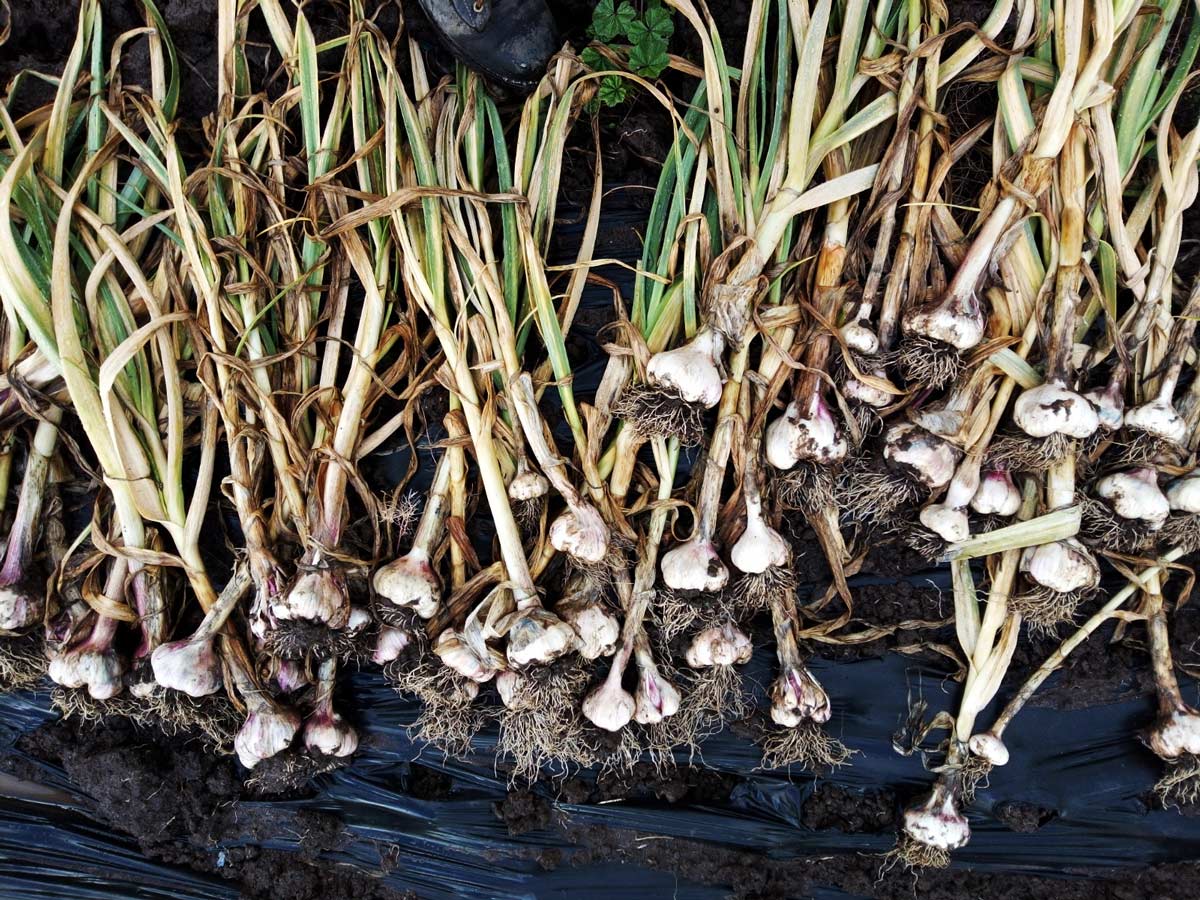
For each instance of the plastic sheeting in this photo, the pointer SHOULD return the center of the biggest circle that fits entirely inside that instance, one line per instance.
(1084, 764)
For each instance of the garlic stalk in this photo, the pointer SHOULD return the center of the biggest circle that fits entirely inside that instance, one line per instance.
(410, 581)
(325, 731)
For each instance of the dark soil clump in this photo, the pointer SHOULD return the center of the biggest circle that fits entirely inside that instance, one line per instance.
(853, 812)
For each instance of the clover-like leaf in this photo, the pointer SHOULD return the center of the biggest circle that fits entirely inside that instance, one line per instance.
(605, 23)
(594, 59)
(649, 56)
(613, 90)
(656, 22)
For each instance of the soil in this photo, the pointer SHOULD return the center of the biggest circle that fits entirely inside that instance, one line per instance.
(178, 801)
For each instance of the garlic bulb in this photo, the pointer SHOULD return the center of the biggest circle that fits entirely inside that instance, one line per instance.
(997, 495)
(19, 608)
(459, 655)
(268, 730)
(596, 630)
(691, 371)
(1051, 408)
(390, 643)
(798, 435)
(190, 666)
(580, 532)
(1176, 735)
(1159, 418)
(326, 732)
(760, 547)
(290, 675)
(1184, 493)
(694, 566)
(1062, 566)
(937, 822)
(360, 619)
(93, 663)
(1135, 495)
(865, 393)
(928, 458)
(656, 698)
(959, 325)
(538, 635)
(720, 645)
(795, 691)
(988, 747)
(527, 484)
(411, 582)
(860, 338)
(609, 706)
(947, 522)
(318, 595)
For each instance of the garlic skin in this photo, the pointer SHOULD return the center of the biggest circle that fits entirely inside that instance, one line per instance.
(948, 523)
(596, 630)
(720, 645)
(410, 581)
(860, 338)
(691, 371)
(509, 686)
(580, 532)
(290, 676)
(1062, 566)
(189, 666)
(1184, 493)
(795, 693)
(1135, 495)
(609, 706)
(656, 698)
(19, 608)
(759, 548)
(988, 747)
(1110, 406)
(927, 457)
(937, 822)
(1159, 418)
(318, 595)
(528, 485)
(390, 643)
(99, 670)
(961, 328)
(538, 636)
(457, 654)
(997, 495)
(864, 393)
(268, 730)
(1051, 408)
(329, 734)
(797, 436)
(1176, 735)
(360, 620)
(694, 565)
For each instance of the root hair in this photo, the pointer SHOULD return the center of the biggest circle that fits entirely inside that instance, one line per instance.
(872, 494)
(929, 363)
(807, 745)
(1044, 610)
(544, 726)
(22, 660)
(1022, 453)
(807, 487)
(1182, 530)
(1180, 783)
(1103, 529)
(654, 413)
(752, 592)
(290, 770)
(308, 642)
(912, 856)
(675, 612)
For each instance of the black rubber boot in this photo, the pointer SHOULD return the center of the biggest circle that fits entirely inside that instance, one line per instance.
(509, 41)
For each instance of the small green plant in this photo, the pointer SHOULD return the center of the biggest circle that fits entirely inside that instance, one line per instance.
(647, 32)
